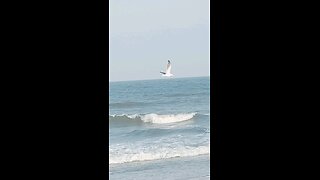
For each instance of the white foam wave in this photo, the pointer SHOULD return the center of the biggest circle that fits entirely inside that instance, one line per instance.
(159, 153)
(171, 118)
(116, 115)
(133, 116)
(159, 119)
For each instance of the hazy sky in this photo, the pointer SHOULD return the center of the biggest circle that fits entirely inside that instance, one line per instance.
(144, 34)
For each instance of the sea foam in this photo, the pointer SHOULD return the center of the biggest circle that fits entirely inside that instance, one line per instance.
(171, 118)
(155, 118)
(146, 154)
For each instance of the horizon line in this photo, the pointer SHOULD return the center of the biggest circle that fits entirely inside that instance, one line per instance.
(157, 79)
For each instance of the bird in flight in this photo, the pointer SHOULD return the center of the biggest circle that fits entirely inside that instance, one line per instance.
(168, 70)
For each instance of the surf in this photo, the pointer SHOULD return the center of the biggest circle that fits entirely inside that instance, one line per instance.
(128, 155)
(153, 118)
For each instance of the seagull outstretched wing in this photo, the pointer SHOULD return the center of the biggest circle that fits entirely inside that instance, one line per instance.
(168, 71)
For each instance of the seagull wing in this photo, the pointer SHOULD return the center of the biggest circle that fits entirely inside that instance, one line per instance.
(168, 71)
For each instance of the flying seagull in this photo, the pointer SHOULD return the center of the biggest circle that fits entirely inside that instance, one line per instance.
(168, 70)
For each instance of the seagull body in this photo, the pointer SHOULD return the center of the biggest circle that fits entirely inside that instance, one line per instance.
(168, 70)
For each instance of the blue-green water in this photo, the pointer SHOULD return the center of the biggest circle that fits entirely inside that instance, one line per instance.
(154, 122)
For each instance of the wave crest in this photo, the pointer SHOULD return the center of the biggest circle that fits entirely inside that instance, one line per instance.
(162, 153)
(171, 118)
(153, 118)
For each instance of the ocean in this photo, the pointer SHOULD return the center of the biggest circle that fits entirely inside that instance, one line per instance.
(159, 129)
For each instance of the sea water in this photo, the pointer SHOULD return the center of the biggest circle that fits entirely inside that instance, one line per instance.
(159, 129)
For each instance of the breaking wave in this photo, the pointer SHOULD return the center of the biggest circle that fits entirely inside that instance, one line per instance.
(154, 153)
(152, 118)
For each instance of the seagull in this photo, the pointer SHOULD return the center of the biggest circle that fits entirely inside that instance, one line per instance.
(168, 70)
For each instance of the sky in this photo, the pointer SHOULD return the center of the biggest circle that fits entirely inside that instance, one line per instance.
(144, 34)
